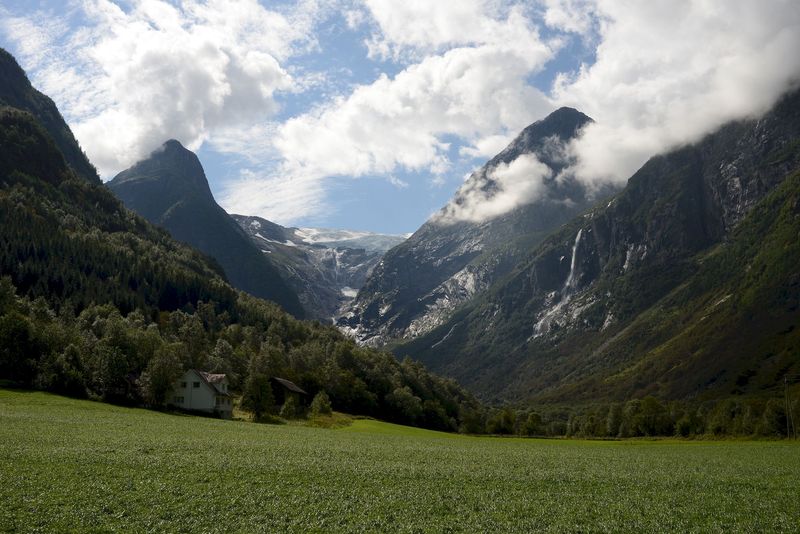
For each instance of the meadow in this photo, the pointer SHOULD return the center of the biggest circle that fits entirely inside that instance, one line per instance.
(69, 465)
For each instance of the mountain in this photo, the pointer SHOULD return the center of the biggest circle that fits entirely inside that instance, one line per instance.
(324, 267)
(66, 238)
(684, 285)
(17, 92)
(96, 301)
(418, 284)
(170, 190)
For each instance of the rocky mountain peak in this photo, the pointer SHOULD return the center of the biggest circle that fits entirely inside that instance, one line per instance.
(462, 251)
(173, 144)
(562, 125)
(170, 189)
(170, 173)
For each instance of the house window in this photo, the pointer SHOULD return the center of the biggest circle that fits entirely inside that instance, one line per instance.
(178, 400)
(183, 385)
(195, 385)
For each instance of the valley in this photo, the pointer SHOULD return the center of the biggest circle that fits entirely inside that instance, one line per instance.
(399, 266)
(325, 267)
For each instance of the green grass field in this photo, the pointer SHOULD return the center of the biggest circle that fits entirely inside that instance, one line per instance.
(68, 465)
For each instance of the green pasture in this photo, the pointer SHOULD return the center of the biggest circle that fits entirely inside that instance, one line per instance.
(68, 465)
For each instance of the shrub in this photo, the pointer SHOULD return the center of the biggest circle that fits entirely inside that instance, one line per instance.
(290, 410)
(321, 405)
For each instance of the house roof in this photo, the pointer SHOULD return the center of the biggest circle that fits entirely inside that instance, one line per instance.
(213, 380)
(288, 384)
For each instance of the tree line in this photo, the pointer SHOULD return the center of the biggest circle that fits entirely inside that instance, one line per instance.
(771, 417)
(103, 355)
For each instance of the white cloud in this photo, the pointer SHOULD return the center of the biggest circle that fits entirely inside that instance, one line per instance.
(400, 122)
(403, 122)
(503, 189)
(354, 18)
(669, 72)
(421, 27)
(128, 80)
(286, 199)
(252, 143)
(576, 16)
(34, 34)
(397, 182)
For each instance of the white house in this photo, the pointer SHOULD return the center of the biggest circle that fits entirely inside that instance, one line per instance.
(203, 392)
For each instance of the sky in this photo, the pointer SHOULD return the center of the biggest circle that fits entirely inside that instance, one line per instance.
(369, 115)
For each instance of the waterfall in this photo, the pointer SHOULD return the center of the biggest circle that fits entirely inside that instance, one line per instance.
(543, 324)
(570, 283)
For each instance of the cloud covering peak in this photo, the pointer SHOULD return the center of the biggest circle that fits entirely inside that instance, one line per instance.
(668, 72)
(302, 96)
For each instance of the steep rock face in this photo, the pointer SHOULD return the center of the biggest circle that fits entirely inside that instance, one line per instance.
(417, 285)
(618, 302)
(325, 267)
(170, 189)
(17, 92)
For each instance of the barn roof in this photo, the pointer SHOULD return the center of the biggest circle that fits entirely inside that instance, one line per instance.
(288, 384)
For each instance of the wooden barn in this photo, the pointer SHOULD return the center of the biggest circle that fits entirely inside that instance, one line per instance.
(282, 389)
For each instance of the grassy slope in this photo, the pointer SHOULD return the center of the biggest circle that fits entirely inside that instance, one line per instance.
(67, 464)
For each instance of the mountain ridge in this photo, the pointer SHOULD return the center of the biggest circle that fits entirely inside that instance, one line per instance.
(18, 93)
(594, 298)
